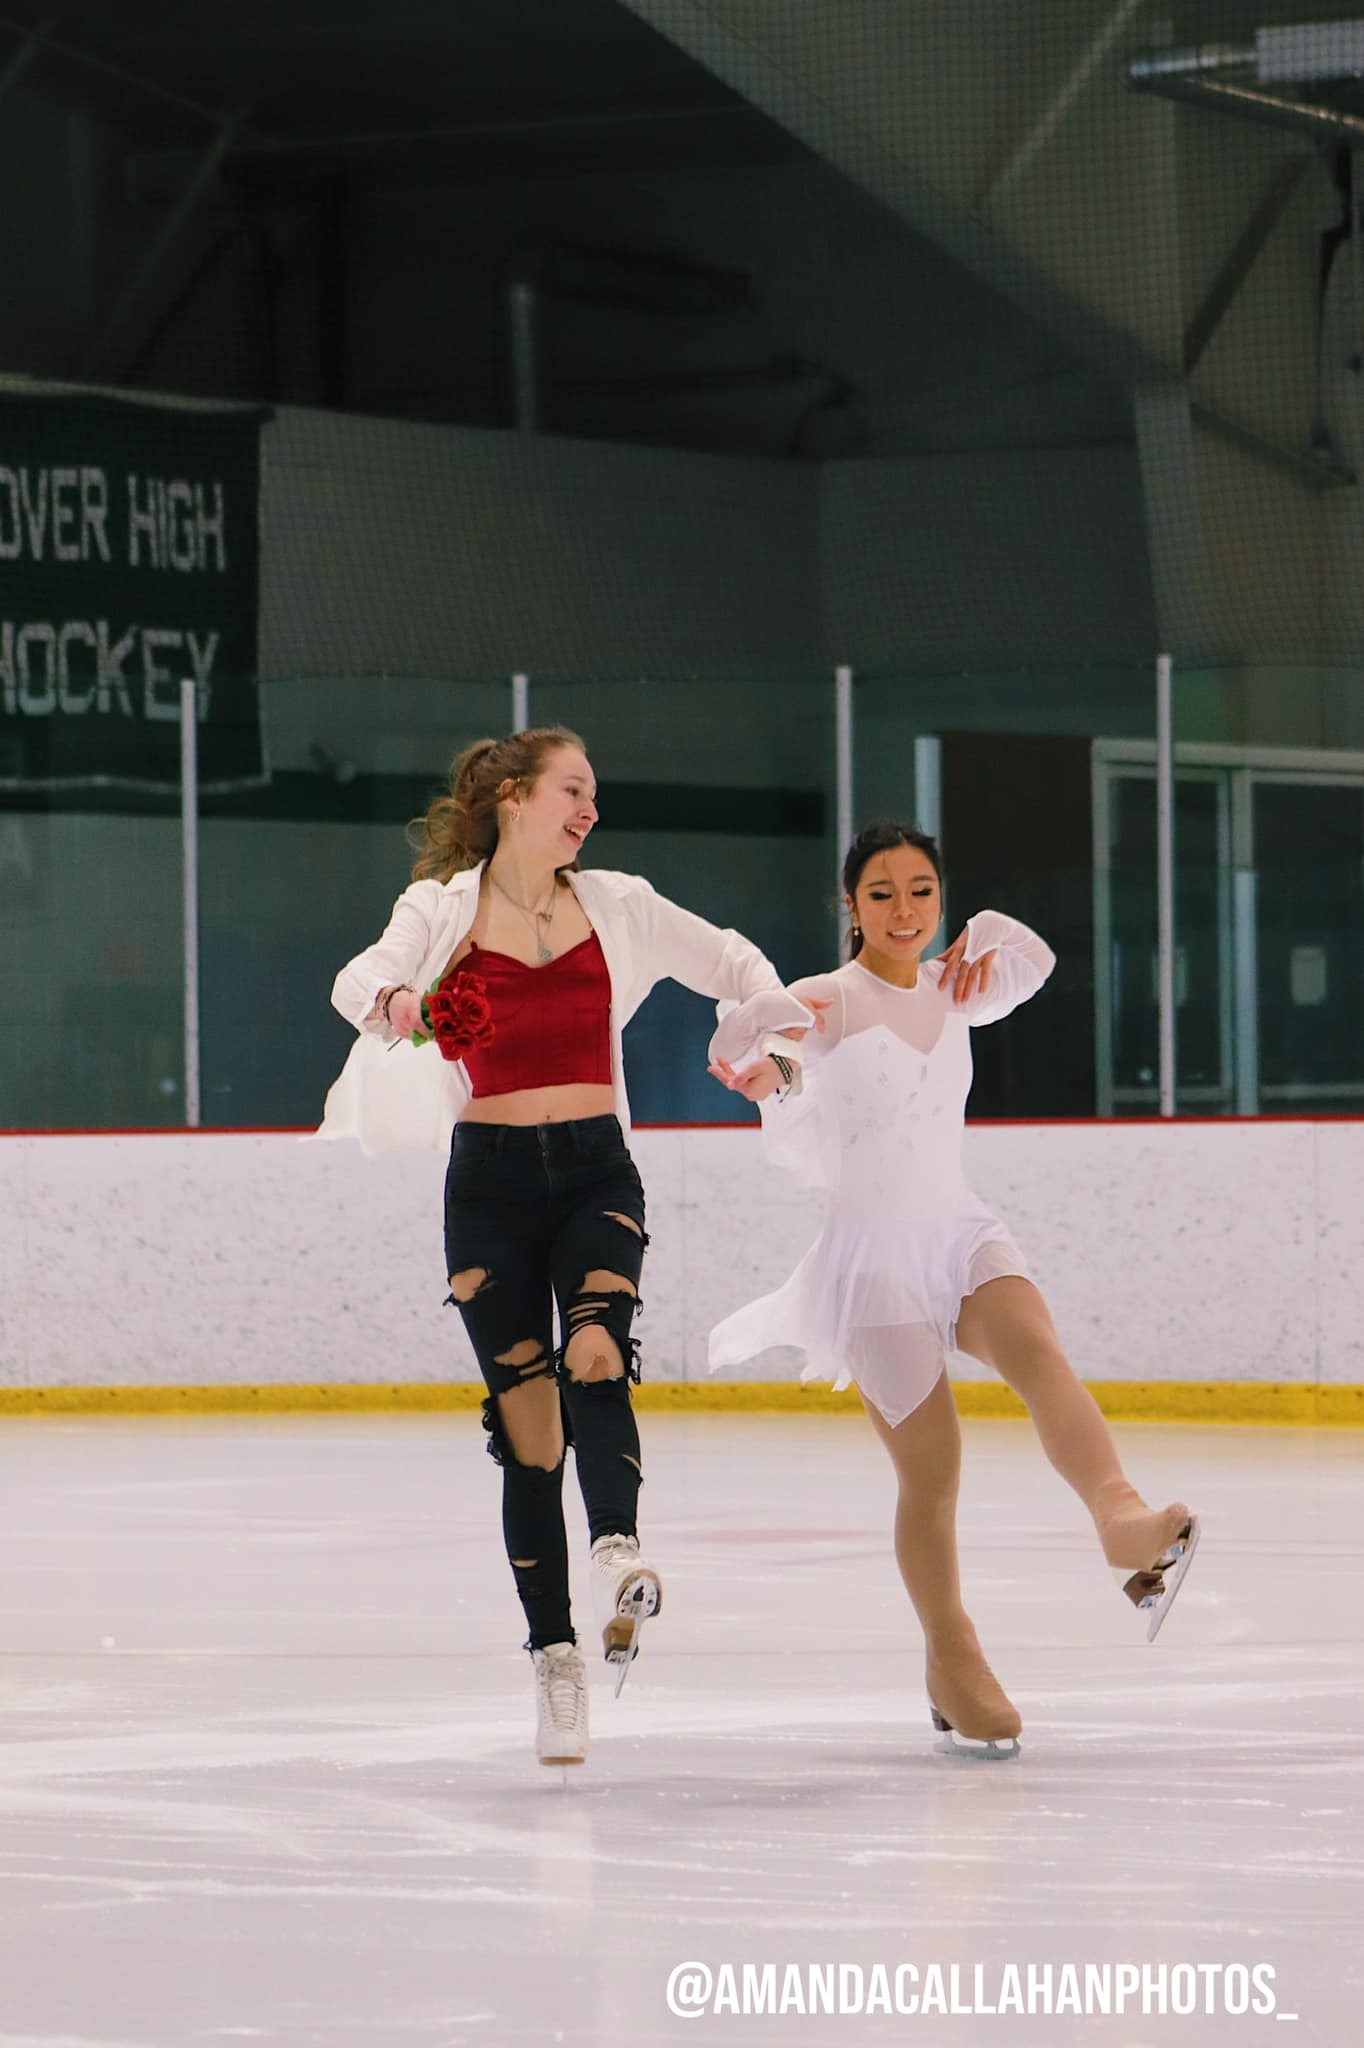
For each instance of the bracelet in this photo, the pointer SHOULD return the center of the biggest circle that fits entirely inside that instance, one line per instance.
(777, 1043)
(784, 1067)
(404, 987)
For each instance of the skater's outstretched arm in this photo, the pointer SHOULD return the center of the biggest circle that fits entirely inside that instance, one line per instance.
(750, 1033)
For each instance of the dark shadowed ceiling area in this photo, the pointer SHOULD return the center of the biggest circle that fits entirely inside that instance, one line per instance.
(525, 83)
(330, 201)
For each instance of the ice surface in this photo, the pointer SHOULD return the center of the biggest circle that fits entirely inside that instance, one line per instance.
(268, 1771)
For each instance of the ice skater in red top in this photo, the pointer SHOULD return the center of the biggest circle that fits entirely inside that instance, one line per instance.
(524, 971)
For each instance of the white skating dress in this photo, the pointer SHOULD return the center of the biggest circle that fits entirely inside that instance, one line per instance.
(877, 1123)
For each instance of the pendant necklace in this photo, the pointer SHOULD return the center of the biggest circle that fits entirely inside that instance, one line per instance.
(538, 921)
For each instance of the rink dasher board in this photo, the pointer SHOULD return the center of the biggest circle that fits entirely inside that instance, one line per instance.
(1195, 1270)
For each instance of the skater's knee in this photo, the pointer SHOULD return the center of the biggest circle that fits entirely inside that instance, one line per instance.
(527, 1423)
(591, 1354)
(615, 1216)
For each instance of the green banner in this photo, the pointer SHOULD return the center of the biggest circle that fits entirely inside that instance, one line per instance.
(128, 564)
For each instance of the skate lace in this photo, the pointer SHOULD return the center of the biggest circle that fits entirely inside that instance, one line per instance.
(563, 1691)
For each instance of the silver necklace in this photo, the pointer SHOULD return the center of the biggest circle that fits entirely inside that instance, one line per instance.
(538, 921)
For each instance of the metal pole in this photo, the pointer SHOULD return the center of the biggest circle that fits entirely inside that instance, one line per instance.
(1165, 880)
(1190, 62)
(523, 313)
(189, 846)
(520, 703)
(928, 813)
(843, 784)
(1245, 950)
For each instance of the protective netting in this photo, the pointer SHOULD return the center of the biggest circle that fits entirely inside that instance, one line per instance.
(674, 354)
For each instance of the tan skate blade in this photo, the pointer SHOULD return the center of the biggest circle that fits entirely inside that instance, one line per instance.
(559, 1760)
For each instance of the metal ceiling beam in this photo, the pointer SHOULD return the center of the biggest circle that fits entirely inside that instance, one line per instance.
(57, 46)
(1319, 474)
(104, 357)
(23, 56)
(1054, 113)
(377, 141)
(1298, 117)
(1261, 225)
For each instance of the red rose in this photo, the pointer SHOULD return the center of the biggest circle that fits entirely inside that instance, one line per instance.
(458, 1015)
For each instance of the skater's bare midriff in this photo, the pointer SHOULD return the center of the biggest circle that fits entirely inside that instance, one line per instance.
(562, 1104)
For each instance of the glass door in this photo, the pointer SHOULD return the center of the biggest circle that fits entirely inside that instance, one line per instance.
(1269, 931)
(1308, 844)
(1127, 973)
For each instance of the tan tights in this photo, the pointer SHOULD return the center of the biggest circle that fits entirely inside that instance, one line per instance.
(926, 1451)
(1006, 1324)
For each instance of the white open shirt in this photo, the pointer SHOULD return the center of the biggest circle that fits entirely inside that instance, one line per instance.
(391, 1092)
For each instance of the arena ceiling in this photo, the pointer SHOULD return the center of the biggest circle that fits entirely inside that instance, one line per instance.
(500, 87)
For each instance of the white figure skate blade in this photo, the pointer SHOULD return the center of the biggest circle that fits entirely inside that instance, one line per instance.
(1158, 1604)
(953, 1745)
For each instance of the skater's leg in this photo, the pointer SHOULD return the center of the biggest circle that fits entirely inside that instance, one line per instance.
(496, 1247)
(925, 1450)
(1006, 1324)
(526, 1439)
(505, 1307)
(596, 1261)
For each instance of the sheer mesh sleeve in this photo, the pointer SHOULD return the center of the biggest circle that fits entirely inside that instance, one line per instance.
(1021, 964)
(746, 1032)
(800, 1129)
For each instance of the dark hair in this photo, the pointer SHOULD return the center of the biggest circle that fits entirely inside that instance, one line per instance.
(876, 838)
(460, 829)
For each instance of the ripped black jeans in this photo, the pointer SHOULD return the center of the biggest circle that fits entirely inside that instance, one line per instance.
(536, 1216)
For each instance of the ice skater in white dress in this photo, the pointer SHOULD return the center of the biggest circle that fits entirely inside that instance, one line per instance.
(910, 1264)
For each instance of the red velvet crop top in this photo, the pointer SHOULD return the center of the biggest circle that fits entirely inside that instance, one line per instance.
(551, 1024)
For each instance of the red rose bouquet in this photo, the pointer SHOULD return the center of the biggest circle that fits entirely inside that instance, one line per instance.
(457, 1015)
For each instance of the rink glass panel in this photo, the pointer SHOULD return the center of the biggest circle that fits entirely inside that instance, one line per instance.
(1309, 935)
(92, 998)
(721, 791)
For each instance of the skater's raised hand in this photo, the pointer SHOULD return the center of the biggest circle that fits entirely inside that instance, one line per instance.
(966, 978)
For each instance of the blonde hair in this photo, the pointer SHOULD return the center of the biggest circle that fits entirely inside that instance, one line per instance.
(460, 829)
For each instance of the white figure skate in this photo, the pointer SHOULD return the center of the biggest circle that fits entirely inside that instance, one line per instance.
(560, 1704)
(626, 1591)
